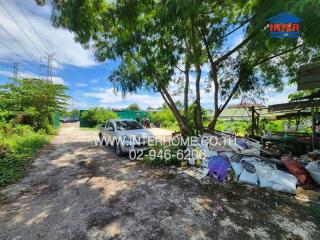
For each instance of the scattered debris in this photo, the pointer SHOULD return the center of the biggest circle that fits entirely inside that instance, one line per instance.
(250, 163)
(314, 171)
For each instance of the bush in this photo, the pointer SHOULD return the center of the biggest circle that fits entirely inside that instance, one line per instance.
(18, 144)
(239, 127)
(163, 118)
(97, 116)
(31, 102)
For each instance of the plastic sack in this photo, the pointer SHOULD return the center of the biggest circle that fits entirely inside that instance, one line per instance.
(226, 154)
(288, 181)
(249, 178)
(242, 144)
(249, 159)
(264, 176)
(314, 170)
(296, 169)
(218, 166)
(237, 168)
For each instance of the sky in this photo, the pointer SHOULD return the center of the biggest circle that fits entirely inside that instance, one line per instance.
(27, 36)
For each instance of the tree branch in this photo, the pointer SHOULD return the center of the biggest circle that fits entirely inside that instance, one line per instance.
(279, 54)
(237, 28)
(206, 44)
(236, 48)
(183, 71)
(235, 88)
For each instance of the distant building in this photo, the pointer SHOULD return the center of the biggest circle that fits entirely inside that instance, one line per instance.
(151, 109)
(240, 111)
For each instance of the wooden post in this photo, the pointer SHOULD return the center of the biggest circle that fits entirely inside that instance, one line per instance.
(313, 128)
(253, 122)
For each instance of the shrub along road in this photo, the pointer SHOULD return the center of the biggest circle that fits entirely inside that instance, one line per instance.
(74, 190)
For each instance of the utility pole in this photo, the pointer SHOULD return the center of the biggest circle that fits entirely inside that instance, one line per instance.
(47, 63)
(15, 71)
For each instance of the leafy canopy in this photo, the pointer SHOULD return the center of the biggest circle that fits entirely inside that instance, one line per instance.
(32, 101)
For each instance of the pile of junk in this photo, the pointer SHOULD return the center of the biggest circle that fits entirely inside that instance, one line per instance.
(249, 163)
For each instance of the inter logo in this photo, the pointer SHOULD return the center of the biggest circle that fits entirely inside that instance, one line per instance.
(284, 25)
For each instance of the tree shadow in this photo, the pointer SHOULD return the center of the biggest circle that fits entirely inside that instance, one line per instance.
(79, 191)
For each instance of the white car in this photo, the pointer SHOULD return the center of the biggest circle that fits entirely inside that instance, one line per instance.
(125, 135)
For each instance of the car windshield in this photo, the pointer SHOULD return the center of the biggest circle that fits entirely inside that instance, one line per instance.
(128, 125)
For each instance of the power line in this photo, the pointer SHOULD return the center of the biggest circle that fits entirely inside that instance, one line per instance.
(10, 49)
(9, 14)
(30, 23)
(22, 47)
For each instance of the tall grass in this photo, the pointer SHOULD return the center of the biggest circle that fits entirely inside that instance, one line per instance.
(18, 145)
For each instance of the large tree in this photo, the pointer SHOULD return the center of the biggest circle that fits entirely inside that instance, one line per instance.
(157, 39)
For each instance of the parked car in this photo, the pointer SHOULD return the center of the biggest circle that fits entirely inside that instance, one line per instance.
(125, 135)
(69, 119)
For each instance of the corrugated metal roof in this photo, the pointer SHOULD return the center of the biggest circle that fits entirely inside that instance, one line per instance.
(293, 106)
(309, 76)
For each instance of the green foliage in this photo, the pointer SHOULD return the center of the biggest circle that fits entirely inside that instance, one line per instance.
(153, 37)
(32, 102)
(299, 94)
(74, 113)
(96, 116)
(134, 107)
(18, 144)
(239, 127)
(163, 118)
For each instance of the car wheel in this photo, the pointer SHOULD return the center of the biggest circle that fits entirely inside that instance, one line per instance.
(118, 150)
(102, 140)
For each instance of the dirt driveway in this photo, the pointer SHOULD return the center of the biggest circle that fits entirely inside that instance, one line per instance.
(75, 190)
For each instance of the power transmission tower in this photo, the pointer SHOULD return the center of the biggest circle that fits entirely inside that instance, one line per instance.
(47, 63)
(15, 70)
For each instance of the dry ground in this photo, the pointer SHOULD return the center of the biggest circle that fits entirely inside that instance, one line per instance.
(75, 190)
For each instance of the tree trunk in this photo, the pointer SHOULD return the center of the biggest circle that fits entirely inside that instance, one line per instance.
(199, 125)
(216, 97)
(186, 90)
(196, 52)
(170, 103)
(218, 110)
(213, 123)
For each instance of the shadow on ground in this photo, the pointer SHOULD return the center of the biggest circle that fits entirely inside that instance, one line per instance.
(75, 190)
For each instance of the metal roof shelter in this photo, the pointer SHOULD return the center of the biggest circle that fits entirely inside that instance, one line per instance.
(308, 79)
(293, 106)
(293, 114)
(309, 76)
(302, 105)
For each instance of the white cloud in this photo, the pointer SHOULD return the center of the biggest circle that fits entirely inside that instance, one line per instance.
(60, 41)
(58, 80)
(274, 97)
(95, 80)
(55, 80)
(108, 98)
(6, 73)
(81, 84)
(76, 103)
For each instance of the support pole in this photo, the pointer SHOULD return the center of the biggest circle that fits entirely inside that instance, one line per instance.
(313, 128)
(253, 123)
